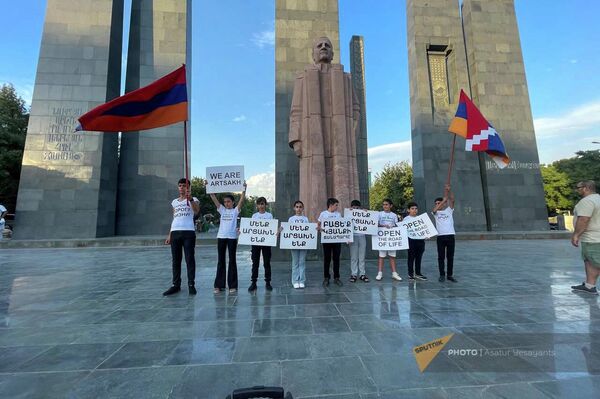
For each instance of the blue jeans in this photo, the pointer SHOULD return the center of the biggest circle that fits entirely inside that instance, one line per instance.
(298, 265)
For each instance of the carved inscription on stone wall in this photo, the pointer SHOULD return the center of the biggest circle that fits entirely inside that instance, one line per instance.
(62, 143)
(439, 79)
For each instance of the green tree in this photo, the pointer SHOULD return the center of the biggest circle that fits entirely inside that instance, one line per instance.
(585, 165)
(13, 129)
(557, 189)
(395, 181)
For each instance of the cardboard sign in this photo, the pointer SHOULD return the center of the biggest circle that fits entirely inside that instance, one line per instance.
(392, 239)
(298, 236)
(224, 179)
(336, 230)
(365, 222)
(261, 232)
(420, 227)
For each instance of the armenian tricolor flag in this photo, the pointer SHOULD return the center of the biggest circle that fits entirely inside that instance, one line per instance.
(161, 103)
(480, 135)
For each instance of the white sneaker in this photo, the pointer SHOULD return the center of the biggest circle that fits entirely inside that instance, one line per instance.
(379, 276)
(396, 276)
(296, 285)
(301, 285)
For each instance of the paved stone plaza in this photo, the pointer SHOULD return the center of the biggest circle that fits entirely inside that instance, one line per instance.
(91, 323)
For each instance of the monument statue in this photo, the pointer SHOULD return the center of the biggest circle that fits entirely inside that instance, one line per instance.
(324, 119)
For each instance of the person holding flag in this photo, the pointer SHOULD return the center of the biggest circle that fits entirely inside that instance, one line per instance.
(443, 212)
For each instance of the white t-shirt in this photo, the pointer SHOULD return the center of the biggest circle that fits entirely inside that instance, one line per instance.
(444, 222)
(298, 219)
(259, 215)
(228, 223)
(329, 215)
(183, 215)
(589, 206)
(388, 219)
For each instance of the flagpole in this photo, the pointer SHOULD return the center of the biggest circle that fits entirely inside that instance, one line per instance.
(451, 158)
(185, 156)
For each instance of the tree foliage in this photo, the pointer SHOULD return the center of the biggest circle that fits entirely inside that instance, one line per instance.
(13, 129)
(561, 177)
(557, 189)
(395, 181)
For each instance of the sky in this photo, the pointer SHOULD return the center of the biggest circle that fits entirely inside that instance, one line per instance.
(233, 84)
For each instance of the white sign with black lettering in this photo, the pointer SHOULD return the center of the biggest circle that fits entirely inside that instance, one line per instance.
(298, 236)
(261, 232)
(224, 179)
(365, 222)
(336, 230)
(390, 239)
(420, 227)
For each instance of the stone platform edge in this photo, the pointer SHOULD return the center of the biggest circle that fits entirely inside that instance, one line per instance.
(157, 241)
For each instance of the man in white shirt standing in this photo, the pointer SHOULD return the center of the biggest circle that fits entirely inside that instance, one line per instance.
(587, 234)
(262, 214)
(2, 221)
(444, 223)
(183, 237)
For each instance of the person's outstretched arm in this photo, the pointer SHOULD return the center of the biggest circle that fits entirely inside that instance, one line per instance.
(450, 195)
(242, 198)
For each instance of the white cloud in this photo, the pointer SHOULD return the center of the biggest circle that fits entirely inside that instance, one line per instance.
(240, 118)
(262, 185)
(393, 152)
(584, 117)
(264, 38)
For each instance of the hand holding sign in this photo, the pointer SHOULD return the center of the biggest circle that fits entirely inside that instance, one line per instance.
(225, 179)
(364, 222)
(337, 230)
(298, 236)
(261, 232)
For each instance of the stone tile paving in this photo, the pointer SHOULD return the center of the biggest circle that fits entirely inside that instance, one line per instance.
(91, 323)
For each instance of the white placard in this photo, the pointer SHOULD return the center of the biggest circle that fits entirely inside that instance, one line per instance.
(261, 232)
(421, 227)
(224, 179)
(298, 236)
(390, 239)
(365, 222)
(336, 230)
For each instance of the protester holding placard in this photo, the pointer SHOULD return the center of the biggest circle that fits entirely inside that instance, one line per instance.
(331, 250)
(262, 214)
(416, 246)
(298, 255)
(444, 222)
(358, 249)
(387, 219)
(182, 237)
(227, 241)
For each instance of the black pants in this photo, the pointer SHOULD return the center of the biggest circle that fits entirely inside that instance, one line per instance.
(329, 251)
(266, 253)
(415, 253)
(445, 247)
(228, 245)
(186, 241)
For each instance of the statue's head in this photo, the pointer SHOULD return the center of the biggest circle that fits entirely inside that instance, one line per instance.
(322, 50)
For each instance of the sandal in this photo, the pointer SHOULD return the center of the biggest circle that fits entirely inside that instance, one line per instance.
(353, 278)
(364, 278)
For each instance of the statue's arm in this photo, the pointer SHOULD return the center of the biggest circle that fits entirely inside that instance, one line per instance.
(295, 134)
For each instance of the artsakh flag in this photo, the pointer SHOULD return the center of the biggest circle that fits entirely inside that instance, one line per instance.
(480, 135)
(161, 103)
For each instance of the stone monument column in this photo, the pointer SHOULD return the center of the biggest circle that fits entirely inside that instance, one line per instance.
(437, 71)
(499, 89)
(151, 162)
(68, 180)
(357, 71)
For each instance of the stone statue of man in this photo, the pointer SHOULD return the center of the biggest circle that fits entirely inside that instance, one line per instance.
(323, 130)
